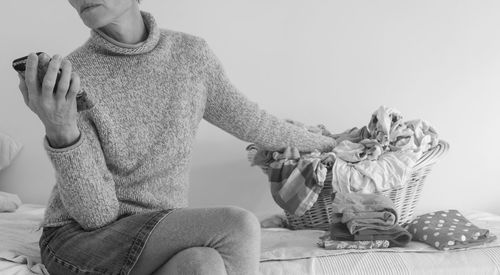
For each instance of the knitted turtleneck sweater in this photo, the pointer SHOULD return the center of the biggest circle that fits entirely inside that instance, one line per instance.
(134, 151)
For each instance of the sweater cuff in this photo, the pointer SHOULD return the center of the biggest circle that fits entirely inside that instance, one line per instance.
(51, 149)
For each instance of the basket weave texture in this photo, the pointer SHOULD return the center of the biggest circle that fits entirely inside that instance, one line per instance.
(405, 197)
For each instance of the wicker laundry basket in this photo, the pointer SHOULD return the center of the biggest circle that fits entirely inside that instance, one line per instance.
(404, 197)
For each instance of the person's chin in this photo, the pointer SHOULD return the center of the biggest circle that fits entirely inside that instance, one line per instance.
(93, 20)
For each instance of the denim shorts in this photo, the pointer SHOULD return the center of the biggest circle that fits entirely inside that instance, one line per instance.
(112, 249)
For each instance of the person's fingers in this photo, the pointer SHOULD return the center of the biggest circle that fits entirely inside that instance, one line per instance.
(43, 64)
(31, 75)
(49, 80)
(74, 87)
(64, 80)
(23, 88)
(43, 59)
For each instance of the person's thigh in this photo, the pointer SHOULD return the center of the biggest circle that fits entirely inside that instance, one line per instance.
(232, 231)
(194, 261)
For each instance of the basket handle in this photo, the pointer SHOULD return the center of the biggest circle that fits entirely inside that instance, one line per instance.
(433, 155)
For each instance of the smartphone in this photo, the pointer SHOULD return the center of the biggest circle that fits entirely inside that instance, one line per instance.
(19, 64)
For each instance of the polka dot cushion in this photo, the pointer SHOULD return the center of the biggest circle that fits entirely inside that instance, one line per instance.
(447, 229)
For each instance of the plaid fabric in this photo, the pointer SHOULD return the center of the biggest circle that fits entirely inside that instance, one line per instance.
(296, 184)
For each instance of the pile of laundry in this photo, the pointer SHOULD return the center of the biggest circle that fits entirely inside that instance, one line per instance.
(370, 159)
(363, 221)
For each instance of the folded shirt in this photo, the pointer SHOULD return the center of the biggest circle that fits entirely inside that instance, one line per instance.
(363, 211)
(396, 236)
(447, 230)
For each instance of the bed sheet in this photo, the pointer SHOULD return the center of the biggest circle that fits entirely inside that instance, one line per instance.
(19, 252)
(474, 262)
(285, 251)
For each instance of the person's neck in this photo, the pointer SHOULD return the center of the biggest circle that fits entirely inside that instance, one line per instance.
(129, 28)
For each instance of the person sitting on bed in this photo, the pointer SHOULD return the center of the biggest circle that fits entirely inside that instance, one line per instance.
(119, 205)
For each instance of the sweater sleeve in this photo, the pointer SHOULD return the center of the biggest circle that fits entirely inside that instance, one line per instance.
(234, 113)
(85, 185)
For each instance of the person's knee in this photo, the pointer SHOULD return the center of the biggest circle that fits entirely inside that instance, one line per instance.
(243, 222)
(195, 260)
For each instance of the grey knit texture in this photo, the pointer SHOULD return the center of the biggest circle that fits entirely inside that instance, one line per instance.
(134, 151)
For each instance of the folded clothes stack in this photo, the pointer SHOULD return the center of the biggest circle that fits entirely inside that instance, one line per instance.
(448, 230)
(363, 221)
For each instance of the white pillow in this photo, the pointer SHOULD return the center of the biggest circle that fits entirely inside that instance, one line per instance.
(9, 149)
(9, 202)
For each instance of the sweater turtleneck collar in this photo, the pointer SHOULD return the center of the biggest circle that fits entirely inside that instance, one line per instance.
(103, 41)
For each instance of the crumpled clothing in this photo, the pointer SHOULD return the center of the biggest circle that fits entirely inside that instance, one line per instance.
(373, 149)
(296, 184)
(366, 149)
(448, 230)
(326, 242)
(350, 151)
(387, 127)
(385, 159)
(354, 135)
(397, 236)
(363, 211)
(382, 122)
(425, 136)
(390, 170)
(401, 138)
(328, 159)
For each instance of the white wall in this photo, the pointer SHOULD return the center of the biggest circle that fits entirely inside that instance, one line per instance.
(330, 62)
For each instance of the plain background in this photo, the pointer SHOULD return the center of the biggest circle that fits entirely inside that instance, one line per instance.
(316, 61)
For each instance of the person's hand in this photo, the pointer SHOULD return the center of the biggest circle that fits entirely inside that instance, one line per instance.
(54, 105)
